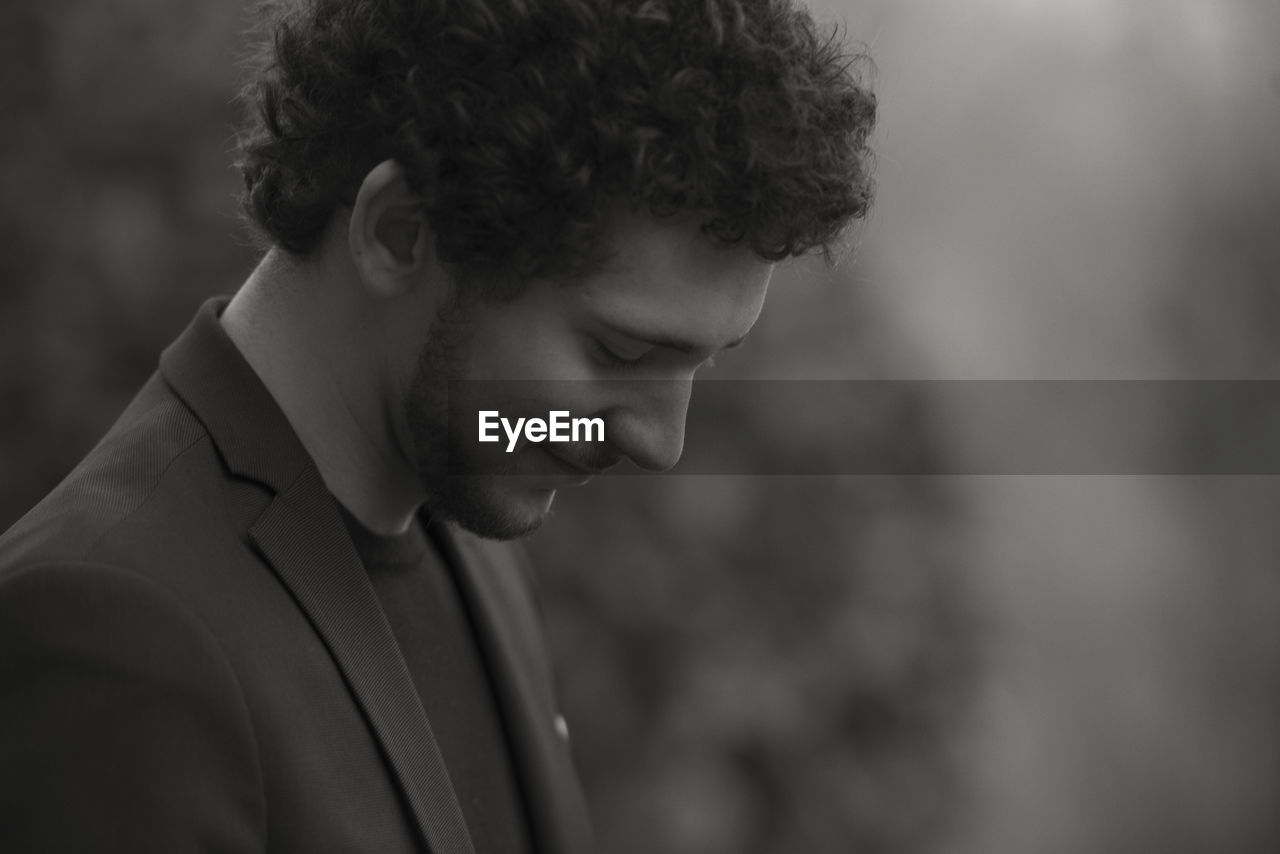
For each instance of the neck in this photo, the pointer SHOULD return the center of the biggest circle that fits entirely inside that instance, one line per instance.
(309, 337)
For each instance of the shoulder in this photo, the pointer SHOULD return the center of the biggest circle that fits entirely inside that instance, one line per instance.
(113, 480)
(151, 492)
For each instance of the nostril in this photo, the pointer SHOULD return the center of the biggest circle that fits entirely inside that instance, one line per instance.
(655, 448)
(648, 426)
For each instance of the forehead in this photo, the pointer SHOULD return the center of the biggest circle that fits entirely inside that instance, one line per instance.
(666, 275)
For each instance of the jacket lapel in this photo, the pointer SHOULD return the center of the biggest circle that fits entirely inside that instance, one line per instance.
(496, 592)
(303, 537)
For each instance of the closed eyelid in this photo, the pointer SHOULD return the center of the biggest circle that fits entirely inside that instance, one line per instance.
(654, 341)
(619, 355)
(631, 351)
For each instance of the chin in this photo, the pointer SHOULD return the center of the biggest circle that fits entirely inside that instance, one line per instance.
(495, 508)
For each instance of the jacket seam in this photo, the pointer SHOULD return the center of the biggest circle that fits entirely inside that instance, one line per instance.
(145, 498)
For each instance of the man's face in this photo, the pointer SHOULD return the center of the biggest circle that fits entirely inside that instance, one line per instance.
(667, 302)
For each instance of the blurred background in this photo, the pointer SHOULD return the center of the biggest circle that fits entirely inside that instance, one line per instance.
(1068, 189)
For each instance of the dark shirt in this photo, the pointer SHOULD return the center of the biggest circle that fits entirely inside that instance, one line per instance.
(421, 600)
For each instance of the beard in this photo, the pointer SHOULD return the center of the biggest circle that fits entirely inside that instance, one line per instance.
(461, 484)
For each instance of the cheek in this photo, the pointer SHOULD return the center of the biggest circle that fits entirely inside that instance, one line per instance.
(545, 350)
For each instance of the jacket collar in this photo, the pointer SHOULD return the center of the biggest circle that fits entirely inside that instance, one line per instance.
(212, 377)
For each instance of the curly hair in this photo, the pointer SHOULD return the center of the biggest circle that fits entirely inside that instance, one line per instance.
(522, 123)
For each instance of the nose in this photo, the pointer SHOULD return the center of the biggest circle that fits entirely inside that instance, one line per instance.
(649, 426)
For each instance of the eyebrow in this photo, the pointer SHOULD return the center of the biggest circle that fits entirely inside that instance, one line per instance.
(677, 344)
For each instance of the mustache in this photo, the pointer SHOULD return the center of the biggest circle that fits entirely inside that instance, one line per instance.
(595, 458)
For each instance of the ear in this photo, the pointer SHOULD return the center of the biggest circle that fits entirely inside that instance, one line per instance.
(388, 237)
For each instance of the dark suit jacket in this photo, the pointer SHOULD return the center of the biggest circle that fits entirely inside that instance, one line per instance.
(192, 658)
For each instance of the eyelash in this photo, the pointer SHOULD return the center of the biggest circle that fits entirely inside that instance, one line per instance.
(613, 360)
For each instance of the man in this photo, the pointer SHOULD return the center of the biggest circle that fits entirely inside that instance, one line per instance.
(270, 611)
